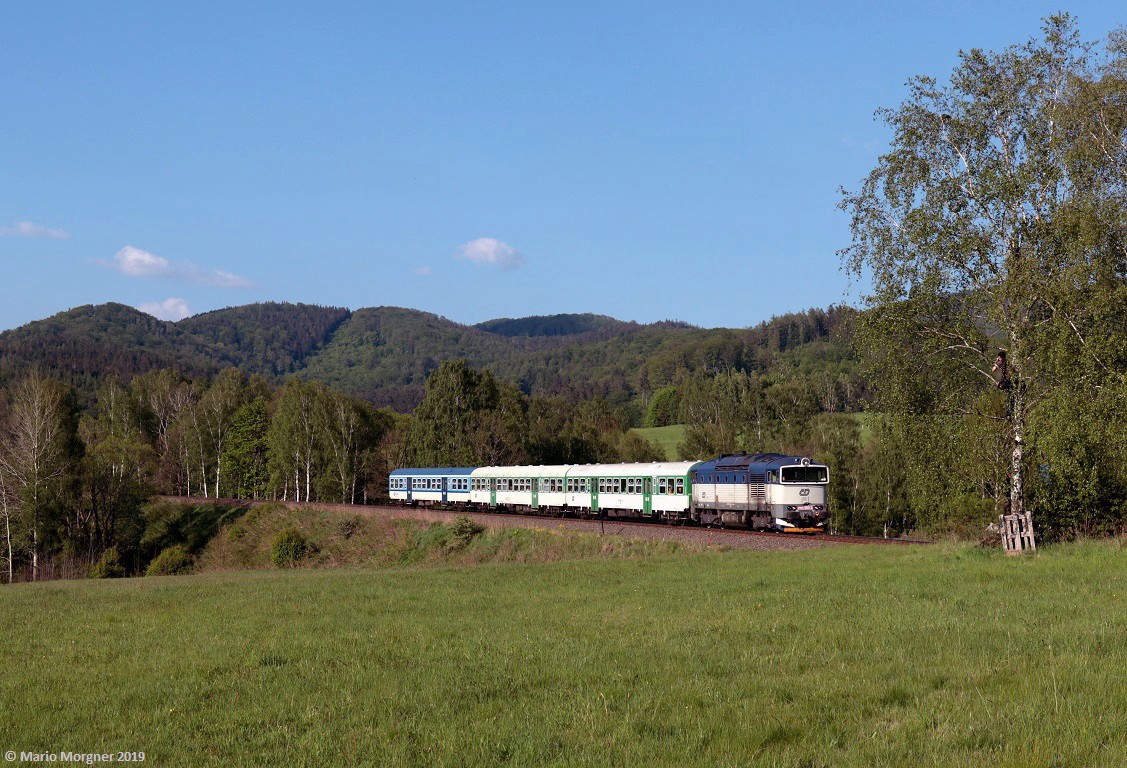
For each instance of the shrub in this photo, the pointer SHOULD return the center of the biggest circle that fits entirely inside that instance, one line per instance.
(289, 548)
(108, 566)
(171, 561)
(348, 526)
(463, 530)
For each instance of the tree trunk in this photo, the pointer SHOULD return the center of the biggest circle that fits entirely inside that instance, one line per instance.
(1017, 486)
(8, 541)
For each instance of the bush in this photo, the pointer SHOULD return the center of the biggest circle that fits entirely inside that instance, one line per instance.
(463, 530)
(348, 526)
(171, 561)
(289, 548)
(108, 566)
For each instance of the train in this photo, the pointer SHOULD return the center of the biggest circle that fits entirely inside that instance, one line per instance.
(763, 491)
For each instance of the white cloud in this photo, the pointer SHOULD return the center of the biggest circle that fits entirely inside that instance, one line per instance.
(27, 229)
(138, 263)
(169, 309)
(424, 271)
(491, 252)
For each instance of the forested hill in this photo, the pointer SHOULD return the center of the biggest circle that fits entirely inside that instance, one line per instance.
(384, 354)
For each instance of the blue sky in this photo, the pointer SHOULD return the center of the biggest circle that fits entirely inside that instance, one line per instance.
(639, 159)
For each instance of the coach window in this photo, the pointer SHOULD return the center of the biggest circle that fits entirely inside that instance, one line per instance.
(681, 485)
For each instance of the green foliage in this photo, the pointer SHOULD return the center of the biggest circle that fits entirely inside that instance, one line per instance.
(1080, 485)
(170, 524)
(385, 354)
(466, 419)
(244, 461)
(289, 548)
(271, 338)
(664, 409)
(464, 530)
(170, 562)
(553, 325)
(996, 220)
(108, 566)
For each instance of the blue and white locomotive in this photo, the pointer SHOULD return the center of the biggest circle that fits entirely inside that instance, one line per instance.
(762, 491)
(767, 491)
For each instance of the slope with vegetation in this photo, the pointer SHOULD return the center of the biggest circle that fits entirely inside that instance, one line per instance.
(384, 354)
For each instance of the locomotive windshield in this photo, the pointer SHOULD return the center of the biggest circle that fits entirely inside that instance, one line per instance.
(804, 475)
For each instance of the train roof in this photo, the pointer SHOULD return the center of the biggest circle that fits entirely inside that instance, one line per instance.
(653, 469)
(432, 472)
(743, 462)
(547, 470)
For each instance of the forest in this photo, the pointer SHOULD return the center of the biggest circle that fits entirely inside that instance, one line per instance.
(74, 481)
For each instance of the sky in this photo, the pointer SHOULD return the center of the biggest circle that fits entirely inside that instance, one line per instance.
(643, 160)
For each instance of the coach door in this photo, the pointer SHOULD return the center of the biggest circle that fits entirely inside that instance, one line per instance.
(648, 496)
(410, 488)
(536, 492)
(445, 487)
(594, 481)
(492, 491)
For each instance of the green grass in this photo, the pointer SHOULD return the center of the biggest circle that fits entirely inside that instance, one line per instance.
(666, 438)
(845, 656)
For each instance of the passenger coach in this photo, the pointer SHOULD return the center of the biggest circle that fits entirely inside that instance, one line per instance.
(451, 484)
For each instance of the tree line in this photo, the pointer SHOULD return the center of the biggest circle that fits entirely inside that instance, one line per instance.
(74, 478)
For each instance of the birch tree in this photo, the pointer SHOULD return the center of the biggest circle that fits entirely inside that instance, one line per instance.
(36, 448)
(995, 222)
(293, 439)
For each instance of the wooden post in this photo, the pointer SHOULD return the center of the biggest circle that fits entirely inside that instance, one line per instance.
(1017, 533)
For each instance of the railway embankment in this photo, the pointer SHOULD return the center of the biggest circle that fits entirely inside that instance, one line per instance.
(695, 537)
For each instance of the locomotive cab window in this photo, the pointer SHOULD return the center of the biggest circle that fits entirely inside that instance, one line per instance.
(805, 475)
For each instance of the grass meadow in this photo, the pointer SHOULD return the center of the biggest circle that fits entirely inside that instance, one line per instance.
(666, 438)
(844, 656)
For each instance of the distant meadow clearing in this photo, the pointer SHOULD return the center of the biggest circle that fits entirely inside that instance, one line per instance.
(844, 656)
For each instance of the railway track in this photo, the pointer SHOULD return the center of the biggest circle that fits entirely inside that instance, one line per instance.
(729, 537)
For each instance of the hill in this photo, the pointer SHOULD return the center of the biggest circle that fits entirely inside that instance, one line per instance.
(385, 354)
(553, 325)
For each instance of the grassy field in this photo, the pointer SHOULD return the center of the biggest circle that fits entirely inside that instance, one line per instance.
(845, 656)
(666, 438)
